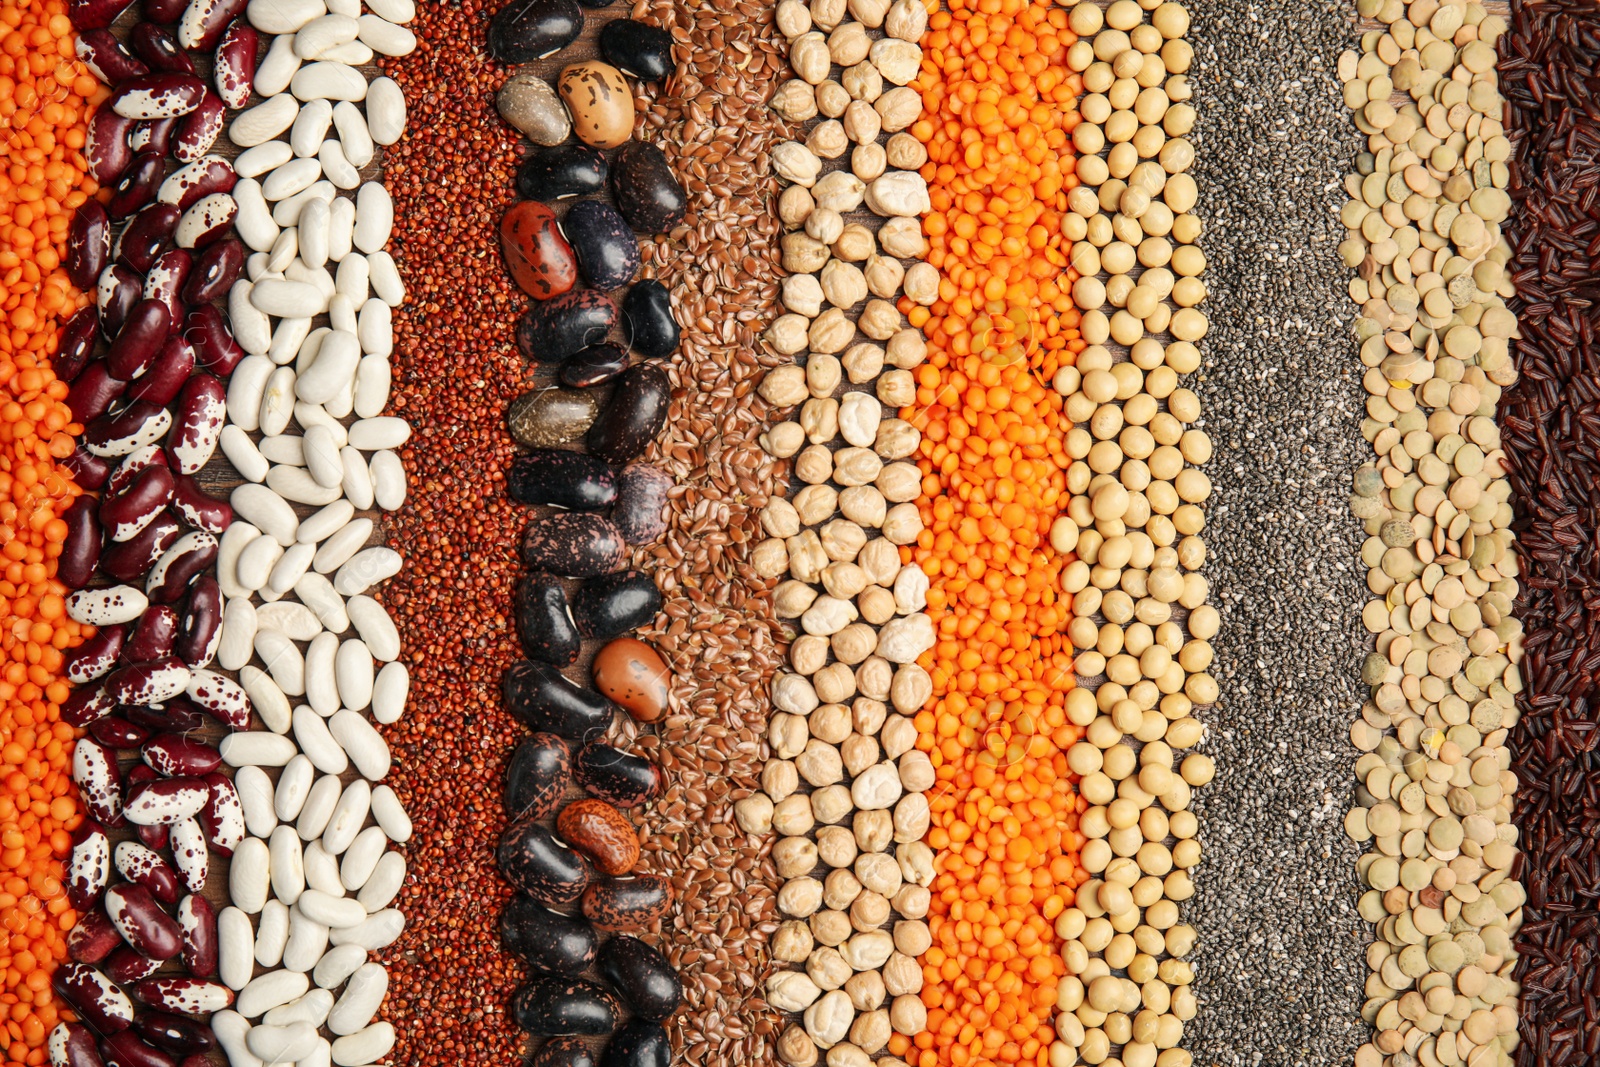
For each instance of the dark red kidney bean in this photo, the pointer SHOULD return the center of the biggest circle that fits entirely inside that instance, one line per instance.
(199, 129)
(93, 391)
(97, 999)
(177, 755)
(198, 509)
(165, 280)
(132, 464)
(164, 380)
(76, 347)
(215, 349)
(93, 938)
(205, 21)
(157, 96)
(202, 410)
(153, 636)
(127, 1050)
(107, 58)
(176, 1034)
(137, 183)
(115, 292)
(140, 423)
(196, 181)
(170, 577)
(99, 782)
(148, 683)
(86, 704)
(87, 873)
(88, 244)
(72, 1044)
(125, 966)
(201, 628)
(130, 560)
(235, 63)
(140, 339)
(133, 910)
(145, 866)
(80, 552)
(148, 235)
(126, 515)
(214, 271)
(95, 14)
(158, 47)
(116, 731)
(164, 11)
(87, 469)
(106, 145)
(175, 716)
(156, 837)
(154, 136)
(96, 657)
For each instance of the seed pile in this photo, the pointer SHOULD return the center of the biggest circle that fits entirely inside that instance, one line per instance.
(1134, 518)
(843, 789)
(1549, 422)
(1435, 792)
(48, 94)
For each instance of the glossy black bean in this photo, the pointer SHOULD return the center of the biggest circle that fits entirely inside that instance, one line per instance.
(542, 699)
(572, 480)
(607, 250)
(633, 416)
(543, 622)
(559, 944)
(637, 48)
(576, 544)
(614, 604)
(641, 510)
(540, 864)
(647, 323)
(537, 776)
(594, 365)
(525, 30)
(553, 330)
(639, 1043)
(567, 170)
(641, 976)
(621, 779)
(560, 1006)
(648, 194)
(567, 1051)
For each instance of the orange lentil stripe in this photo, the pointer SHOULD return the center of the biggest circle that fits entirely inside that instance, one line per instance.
(45, 98)
(999, 106)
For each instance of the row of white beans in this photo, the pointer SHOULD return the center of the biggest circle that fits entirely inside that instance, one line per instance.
(311, 887)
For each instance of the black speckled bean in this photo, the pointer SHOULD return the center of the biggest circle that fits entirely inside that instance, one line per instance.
(614, 604)
(544, 623)
(538, 776)
(568, 480)
(560, 1006)
(574, 544)
(560, 944)
(542, 699)
(536, 861)
(634, 416)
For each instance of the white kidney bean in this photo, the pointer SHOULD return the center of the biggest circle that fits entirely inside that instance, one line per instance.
(386, 111)
(254, 748)
(359, 1003)
(354, 278)
(286, 212)
(347, 817)
(295, 176)
(269, 990)
(268, 701)
(256, 562)
(312, 1008)
(374, 217)
(318, 809)
(277, 404)
(364, 745)
(322, 459)
(272, 76)
(333, 370)
(270, 513)
(313, 231)
(299, 271)
(311, 731)
(351, 53)
(323, 33)
(288, 875)
(295, 562)
(385, 38)
(353, 669)
(338, 964)
(389, 693)
(317, 593)
(233, 541)
(355, 140)
(284, 448)
(379, 931)
(340, 405)
(373, 378)
(322, 870)
(341, 228)
(308, 415)
(238, 637)
(232, 1036)
(377, 629)
(251, 327)
(340, 171)
(342, 546)
(282, 1044)
(397, 11)
(296, 621)
(328, 80)
(366, 569)
(255, 267)
(265, 121)
(362, 857)
(288, 337)
(357, 481)
(243, 454)
(254, 162)
(283, 16)
(384, 882)
(376, 328)
(293, 785)
(337, 913)
(249, 875)
(256, 798)
(308, 940)
(236, 946)
(384, 431)
(272, 932)
(364, 1046)
(388, 480)
(254, 220)
(296, 484)
(245, 389)
(322, 692)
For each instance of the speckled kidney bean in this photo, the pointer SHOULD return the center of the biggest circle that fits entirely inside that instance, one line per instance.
(165, 279)
(222, 818)
(107, 57)
(97, 656)
(152, 637)
(85, 705)
(198, 509)
(127, 1050)
(76, 346)
(188, 184)
(223, 698)
(156, 45)
(619, 778)
(144, 866)
(537, 862)
(94, 938)
(177, 755)
(131, 559)
(80, 552)
(202, 410)
(177, 715)
(137, 507)
(148, 683)
(99, 782)
(133, 910)
(106, 145)
(187, 996)
(115, 292)
(154, 136)
(198, 921)
(97, 999)
(201, 627)
(88, 244)
(149, 234)
(215, 349)
(173, 364)
(140, 339)
(215, 270)
(174, 1033)
(137, 183)
(172, 573)
(165, 801)
(95, 14)
(118, 733)
(157, 96)
(150, 455)
(234, 63)
(124, 967)
(135, 426)
(204, 22)
(207, 222)
(199, 129)
(87, 469)
(88, 869)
